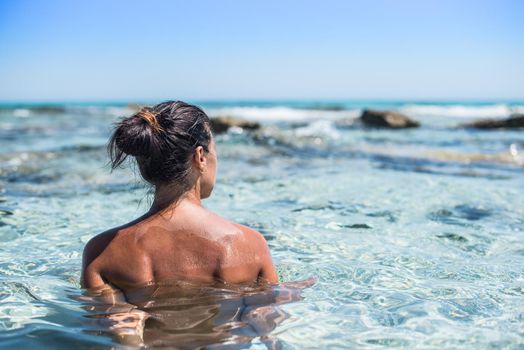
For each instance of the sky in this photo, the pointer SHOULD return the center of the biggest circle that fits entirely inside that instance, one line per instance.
(61, 50)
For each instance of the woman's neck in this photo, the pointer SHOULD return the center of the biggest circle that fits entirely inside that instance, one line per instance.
(168, 197)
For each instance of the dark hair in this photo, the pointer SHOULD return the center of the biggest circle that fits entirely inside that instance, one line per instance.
(162, 139)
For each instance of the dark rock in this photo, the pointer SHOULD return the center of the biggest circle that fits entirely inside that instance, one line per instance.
(513, 122)
(327, 107)
(54, 109)
(296, 125)
(48, 109)
(459, 215)
(387, 119)
(356, 226)
(453, 237)
(221, 125)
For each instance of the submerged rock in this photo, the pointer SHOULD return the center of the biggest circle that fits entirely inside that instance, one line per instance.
(513, 122)
(387, 119)
(221, 125)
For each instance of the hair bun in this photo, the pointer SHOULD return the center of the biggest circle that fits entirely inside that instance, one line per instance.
(150, 117)
(138, 135)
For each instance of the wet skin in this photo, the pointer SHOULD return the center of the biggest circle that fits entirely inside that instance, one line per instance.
(182, 241)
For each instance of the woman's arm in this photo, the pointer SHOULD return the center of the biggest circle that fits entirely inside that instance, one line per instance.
(268, 272)
(91, 277)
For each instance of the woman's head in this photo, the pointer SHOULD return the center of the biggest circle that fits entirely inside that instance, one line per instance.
(172, 144)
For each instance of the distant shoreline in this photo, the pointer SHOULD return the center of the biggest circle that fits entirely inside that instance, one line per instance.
(309, 104)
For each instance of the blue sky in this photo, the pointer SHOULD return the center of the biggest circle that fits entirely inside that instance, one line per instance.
(376, 49)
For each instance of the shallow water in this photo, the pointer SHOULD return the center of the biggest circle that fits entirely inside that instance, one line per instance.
(415, 237)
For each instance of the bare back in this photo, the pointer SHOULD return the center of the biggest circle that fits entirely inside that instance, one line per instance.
(188, 243)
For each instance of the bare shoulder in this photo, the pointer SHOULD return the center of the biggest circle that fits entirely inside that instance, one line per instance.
(91, 264)
(97, 245)
(254, 241)
(253, 235)
(267, 271)
(239, 235)
(228, 230)
(256, 248)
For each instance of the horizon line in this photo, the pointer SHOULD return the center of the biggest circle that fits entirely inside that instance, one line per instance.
(247, 100)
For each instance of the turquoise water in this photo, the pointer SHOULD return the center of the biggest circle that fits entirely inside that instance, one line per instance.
(415, 237)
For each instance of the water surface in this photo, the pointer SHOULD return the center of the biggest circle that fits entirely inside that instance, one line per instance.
(415, 237)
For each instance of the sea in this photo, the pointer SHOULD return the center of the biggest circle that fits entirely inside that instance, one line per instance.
(383, 239)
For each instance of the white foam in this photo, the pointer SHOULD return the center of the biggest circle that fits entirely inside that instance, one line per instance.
(281, 113)
(262, 114)
(487, 111)
(110, 110)
(22, 112)
(318, 128)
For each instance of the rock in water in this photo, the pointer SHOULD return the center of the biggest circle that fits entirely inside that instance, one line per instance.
(387, 119)
(220, 125)
(48, 109)
(513, 122)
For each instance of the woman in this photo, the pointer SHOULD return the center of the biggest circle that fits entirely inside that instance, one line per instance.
(177, 239)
